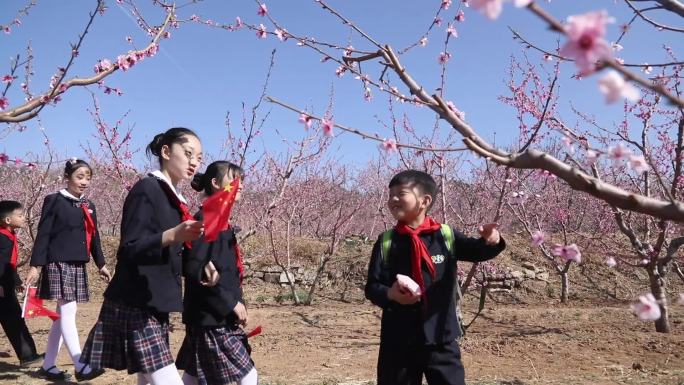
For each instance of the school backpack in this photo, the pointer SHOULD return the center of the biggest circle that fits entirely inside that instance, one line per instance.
(448, 236)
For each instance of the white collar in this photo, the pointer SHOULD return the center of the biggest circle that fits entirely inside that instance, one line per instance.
(68, 194)
(159, 175)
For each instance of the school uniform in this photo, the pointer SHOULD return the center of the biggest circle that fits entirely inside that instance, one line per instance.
(61, 247)
(10, 311)
(132, 329)
(420, 339)
(215, 348)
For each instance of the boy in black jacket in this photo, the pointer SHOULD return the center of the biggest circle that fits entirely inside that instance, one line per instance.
(11, 218)
(419, 326)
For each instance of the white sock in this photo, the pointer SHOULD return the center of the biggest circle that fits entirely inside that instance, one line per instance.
(189, 380)
(54, 342)
(250, 379)
(70, 334)
(168, 375)
(142, 379)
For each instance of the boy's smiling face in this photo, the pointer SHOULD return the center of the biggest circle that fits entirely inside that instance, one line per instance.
(16, 220)
(407, 202)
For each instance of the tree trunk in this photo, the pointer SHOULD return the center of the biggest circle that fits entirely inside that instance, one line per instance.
(658, 284)
(565, 287)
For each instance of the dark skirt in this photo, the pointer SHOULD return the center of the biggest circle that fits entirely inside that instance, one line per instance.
(66, 281)
(128, 338)
(215, 356)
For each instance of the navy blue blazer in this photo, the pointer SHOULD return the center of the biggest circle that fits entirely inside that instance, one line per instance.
(61, 233)
(148, 275)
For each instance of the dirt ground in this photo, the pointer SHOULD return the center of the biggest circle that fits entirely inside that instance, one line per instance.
(336, 343)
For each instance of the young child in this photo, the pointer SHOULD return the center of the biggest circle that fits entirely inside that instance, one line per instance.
(67, 237)
(132, 330)
(215, 349)
(11, 218)
(419, 326)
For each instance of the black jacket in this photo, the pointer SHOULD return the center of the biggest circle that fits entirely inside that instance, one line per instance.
(212, 306)
(9, 278)
(417, 324)
(147, 275)
(61, 233)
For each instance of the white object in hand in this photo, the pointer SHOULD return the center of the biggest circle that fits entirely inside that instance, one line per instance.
(409, 284)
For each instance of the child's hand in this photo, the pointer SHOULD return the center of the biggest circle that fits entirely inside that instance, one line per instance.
(105, 274)
(211, 275)
(401, 295)
(19, 289)
(490, 234)
(32, 277)
(241, 312)
(188, 231)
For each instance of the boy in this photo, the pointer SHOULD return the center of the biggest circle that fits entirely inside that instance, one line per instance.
(419, 326)
(12, 218)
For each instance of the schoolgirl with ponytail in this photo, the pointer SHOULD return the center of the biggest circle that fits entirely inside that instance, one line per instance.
(215, 349)
(132, 330)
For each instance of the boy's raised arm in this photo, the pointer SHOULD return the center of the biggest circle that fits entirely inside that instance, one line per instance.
(475, 249)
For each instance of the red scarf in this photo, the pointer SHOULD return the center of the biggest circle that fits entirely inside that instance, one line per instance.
(89, 226)
(182, 207)
(13, 237)
(420, 252)
(238, 258)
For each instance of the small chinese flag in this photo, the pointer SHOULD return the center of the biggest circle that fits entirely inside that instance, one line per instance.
(216, 210)
(255, 332)
(33, 306)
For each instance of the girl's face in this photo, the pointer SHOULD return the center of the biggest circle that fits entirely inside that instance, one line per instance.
(227, 179)
(181, 160)
(79, 181)
(407, 202)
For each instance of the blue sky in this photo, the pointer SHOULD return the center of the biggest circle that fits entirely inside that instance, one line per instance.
(202, 73)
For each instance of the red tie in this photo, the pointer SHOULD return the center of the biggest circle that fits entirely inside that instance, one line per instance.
(89, 226)
(419, 251)
(182, 207)
(13, 237)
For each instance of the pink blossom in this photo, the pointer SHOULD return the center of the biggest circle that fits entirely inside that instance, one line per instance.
(238, 22)
(102, 66)
(340, 71)
(7, 29)
(538, 238)
(305, 120)
(423, 41)
(568, 252)
(194, 18)
(451, 30)
(644, 262)
(638, 164)
(126, 61)
(443, 57)
(585, 40)
(4, 103)
(548, 57)
(17, 161)
(446, 4)
(460, 114)
(518, 197)
(281, 34)
(615, 87)
(389, 145)
(460, 16)
(31, 166)
(154, 48)
(438, 21)
(367, 95)
(647, 308)
(261, 32)
(568, 144)
(592, 156)
(3, 158)
(62, 87)
(610, 262)
(262, 10)
(327, 125)
(647, 69)
(8, 78)
(129, 39)
(618, 153)
(521, 3)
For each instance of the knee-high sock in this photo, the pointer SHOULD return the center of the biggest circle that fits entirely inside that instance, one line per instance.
(250, 379)
(53, 344)
(70, 332)
(189, 380)
(168, 375)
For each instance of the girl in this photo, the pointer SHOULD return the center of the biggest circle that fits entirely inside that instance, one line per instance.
(215, 349)
(132, 330)
(67, 237)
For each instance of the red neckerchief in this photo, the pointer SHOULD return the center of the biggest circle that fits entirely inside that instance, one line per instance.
(89, 225)
(419, 252)
(238, 259)
(13, 237)
(182, 207)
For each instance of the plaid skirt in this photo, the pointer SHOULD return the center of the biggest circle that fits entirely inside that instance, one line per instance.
(129, 338)
(67, 281)
(215, 355)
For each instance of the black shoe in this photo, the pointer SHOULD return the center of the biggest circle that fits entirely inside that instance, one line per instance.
(94, 373)
(31, 360)
(46, 374)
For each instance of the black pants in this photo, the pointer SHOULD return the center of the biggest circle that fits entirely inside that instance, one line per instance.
(15, 327)
(406, 365)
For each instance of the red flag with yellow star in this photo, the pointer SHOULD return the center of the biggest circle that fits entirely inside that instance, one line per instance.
(33, 306)
(216, 210)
